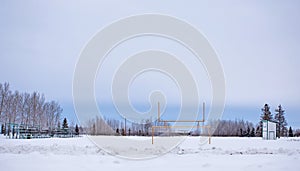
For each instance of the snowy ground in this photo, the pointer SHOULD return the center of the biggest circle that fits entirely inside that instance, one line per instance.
(81, 154)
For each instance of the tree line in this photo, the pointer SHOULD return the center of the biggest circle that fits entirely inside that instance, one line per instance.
(100, 126)
(242, 128)
(108, 126)
(33, 110)
(234, 128)
(28, 109)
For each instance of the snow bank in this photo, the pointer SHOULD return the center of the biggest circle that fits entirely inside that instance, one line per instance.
(65, 146)
(226, 153)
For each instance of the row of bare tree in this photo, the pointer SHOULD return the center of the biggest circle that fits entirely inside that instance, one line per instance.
(28, 109)
(233, 128)
(100, 126)
(110, 126)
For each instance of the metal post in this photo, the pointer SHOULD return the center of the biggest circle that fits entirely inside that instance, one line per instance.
(158, 112)
(203, 112)
(152, 134)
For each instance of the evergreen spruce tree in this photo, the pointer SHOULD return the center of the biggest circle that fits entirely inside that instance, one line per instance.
(281, 122)
(266, 115)
(291, 132)
(65, 124)
(248, 131)
(76, 130)
(252, 134)
(2, 129)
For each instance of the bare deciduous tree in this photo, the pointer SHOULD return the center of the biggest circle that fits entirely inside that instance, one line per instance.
(28, 109)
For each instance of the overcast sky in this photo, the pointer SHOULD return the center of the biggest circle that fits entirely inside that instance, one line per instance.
(257, 43)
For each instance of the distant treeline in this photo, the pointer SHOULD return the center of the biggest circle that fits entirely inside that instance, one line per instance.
(100, 126)
(33, 110)
(234, 128)
(106, 126)
(28, 109)
(241, 128)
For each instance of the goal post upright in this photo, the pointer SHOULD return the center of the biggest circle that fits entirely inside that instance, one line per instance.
(203, 112)
(158, 112)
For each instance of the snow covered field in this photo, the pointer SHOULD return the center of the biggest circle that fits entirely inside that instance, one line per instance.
(224, 153)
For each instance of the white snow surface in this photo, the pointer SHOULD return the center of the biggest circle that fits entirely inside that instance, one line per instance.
(224, 153)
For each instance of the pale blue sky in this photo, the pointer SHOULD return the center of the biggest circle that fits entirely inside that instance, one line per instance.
(257, 42)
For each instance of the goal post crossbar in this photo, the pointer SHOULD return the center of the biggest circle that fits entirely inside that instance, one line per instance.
(181, 126)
